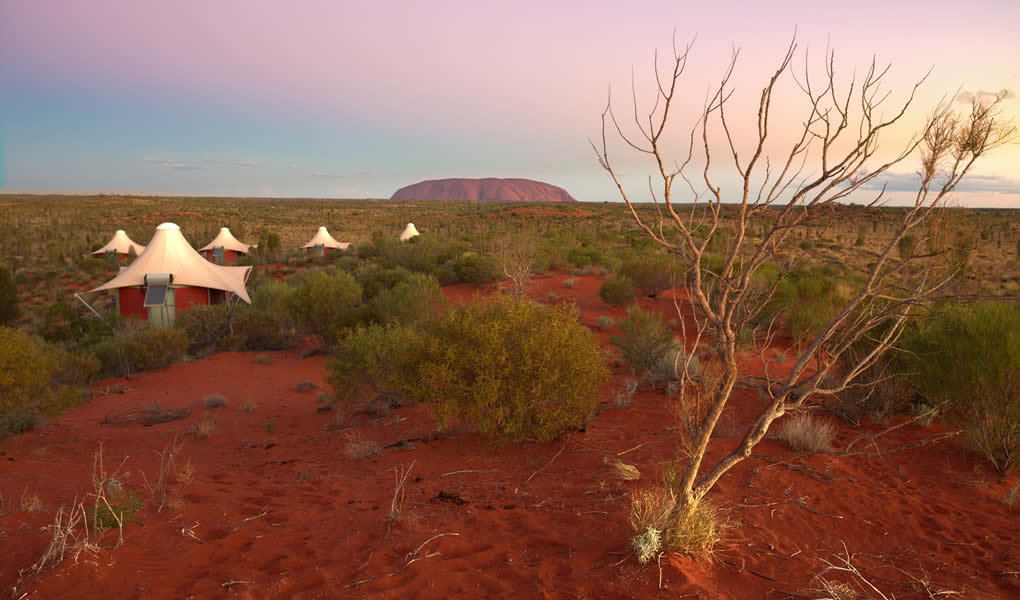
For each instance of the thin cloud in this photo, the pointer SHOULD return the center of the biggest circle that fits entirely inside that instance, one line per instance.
(175, 165)
(985, 97)
(908, 182)
(233, 163)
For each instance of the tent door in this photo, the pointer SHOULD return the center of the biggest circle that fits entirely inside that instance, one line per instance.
(162, 315)
(218, 255)
(320, 249)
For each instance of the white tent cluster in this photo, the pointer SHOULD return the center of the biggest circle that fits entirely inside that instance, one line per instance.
(169, 253)
(121, 244)
(324, 239)
(226, 240)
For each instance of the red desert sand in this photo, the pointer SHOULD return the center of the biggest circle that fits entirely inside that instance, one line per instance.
(279, 508)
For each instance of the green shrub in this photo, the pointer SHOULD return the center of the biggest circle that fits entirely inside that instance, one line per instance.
(651, 273)
(515, 369)
(374, 278)
(645, 342)
(154, 348)
(805, 301)
(583, 256)
(324, 302)
(475, 268)
(263, 329)
(969, 358)
(9, 310)
(605, 322)
(373, 355)
(26, 371)
(407, 301)
(617, 290)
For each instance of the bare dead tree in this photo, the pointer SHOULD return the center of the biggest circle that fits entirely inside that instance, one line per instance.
(517, 254)
(834, 156)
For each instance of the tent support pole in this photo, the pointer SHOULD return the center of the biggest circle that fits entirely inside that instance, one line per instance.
(88, 306)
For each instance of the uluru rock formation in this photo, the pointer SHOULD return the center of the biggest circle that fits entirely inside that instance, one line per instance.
(489, 189)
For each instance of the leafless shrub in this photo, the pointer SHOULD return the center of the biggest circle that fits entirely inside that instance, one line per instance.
(785, 190)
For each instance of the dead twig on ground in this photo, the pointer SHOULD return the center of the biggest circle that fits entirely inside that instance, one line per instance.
(152, 415)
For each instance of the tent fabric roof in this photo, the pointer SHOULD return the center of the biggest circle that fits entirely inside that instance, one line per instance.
(122, 244)
(228, 241)
(322, 237)
(409, 232)
(169, 252)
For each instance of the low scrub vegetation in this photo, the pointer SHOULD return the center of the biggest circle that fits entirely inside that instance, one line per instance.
(516, 370)
(969, 359)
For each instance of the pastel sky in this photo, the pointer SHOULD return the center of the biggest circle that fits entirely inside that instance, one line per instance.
(352, 99)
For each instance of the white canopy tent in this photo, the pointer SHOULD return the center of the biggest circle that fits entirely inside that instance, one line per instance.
(409, 232)
(121, 244)
(324, 239)
(227, 241)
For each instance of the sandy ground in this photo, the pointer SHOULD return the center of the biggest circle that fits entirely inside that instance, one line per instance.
(277, 508)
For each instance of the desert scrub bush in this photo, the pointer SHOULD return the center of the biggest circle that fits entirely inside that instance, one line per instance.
(142, 350)
(324, 302)
(969, 358)
(569, 283)
(584, 256)
(806, 433)
(515, 369)
(605, 322)
(804, 302)
(258, 329)
(645, 342)
(9, 311)
(407, 301)
(617, 290)
(372, 356)
(475, 268)
(26, 373)
(651, 273)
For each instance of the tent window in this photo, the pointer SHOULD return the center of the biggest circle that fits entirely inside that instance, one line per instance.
(320, 249)
(163, 315)
(218, 255)
(155, 295)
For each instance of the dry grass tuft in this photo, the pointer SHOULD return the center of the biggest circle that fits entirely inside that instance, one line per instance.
(204, 428)
(30, 503)
(263, 359)
(248, 406)
(659, 521)
(805, 433)
(624, 471)
(358, 447)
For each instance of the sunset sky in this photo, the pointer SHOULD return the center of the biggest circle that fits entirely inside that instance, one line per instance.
(352, 99)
